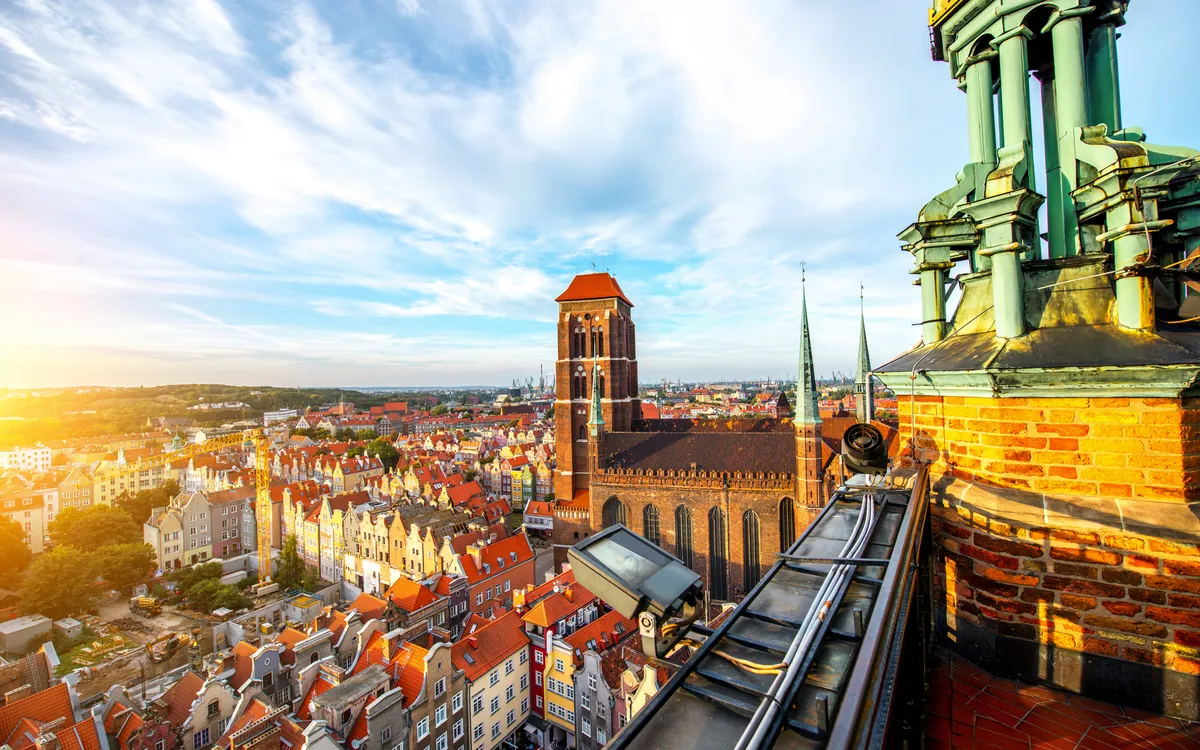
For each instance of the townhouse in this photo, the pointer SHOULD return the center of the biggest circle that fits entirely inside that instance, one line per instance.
(24, 507)
(559, 606)
(200, 708)
(494, 657)
(563, 655)
(493, 571)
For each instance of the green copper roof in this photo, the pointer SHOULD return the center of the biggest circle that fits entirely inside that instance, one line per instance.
(597, 413)
(806, 379)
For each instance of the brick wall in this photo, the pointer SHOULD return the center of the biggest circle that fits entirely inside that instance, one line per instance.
(1134, 597)
(1110, 447)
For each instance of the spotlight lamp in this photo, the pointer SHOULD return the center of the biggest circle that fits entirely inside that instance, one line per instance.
(641, 581)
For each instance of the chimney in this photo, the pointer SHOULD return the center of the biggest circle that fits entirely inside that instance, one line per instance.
(569, 594)
(474, 642)
(46, 741)
(473, 550)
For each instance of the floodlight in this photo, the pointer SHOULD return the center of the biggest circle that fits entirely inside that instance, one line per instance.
(639, 580)
(863, 450)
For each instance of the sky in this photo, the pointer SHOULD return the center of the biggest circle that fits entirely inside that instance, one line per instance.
(392, 192)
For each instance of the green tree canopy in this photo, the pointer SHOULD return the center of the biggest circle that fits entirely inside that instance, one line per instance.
(345, 434)
(290, 574)
(60, 583)
(439, 410)
(355, 450)
(14, 553)
(126, 565)
(139, 505)
(89, 529)
(186, 578)
(385, 451)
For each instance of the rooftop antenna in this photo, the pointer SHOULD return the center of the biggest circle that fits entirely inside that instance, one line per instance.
(593, 264)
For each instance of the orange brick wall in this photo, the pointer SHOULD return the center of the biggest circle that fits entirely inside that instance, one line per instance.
(1112, 594)
(1111, 447)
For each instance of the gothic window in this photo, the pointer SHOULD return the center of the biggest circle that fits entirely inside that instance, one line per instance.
(650, 525)
(787, 523)
(583, 432)
(601, 383)
(683, 535)
(615, 512)
(751, 560)
(718, 565)
(592, 335)
(599, 342)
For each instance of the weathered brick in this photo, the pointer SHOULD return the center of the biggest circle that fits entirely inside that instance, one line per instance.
(956, 530)
(1126, 609)
(1011, 606)
(1064, 472)
(995, 588)
(1099, 646)
(1189, 638)
(1126, 625)
(1190, 618)
(1021, 630)
(1007, 547)
(1079, 571)
(1186, 665)
(1173, 584)
(1146, 656)
(1124, 542)
(1146, 595)
(1123, 577)
(1141, 562)
(1184, 601)
(1069, 430)
(1100, 557)
(1017, 579)
(1058, 444)
(1073, 535)
(1181, 567)
(1077, 602)
(1000, 561)
(1037, 595)
(1090, 588)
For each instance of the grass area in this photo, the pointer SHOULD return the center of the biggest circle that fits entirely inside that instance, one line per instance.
(88, 650)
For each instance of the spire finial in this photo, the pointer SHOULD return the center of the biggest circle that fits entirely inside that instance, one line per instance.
(807, 411)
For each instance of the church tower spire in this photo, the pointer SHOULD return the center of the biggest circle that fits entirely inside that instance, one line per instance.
(864, 394)
(596, 425)
(810, 474)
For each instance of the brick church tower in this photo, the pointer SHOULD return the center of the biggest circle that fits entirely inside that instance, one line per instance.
(596, 341)
(810, 474)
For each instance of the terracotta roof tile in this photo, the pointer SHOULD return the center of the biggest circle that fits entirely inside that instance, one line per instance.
(370, 607)
(587, 286)
(319, 686)
(614, 626)
(481, 650)
(181, 696)
(410, 596)
(554, 608)
(491, 556)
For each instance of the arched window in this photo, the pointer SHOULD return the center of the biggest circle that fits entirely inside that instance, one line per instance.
(602, 384)
(751, 559)
(683, 535)
(615, 512)
(650, 525)
(787, 523)
(583, 432)
(599, 342)
(718, 565)
(579, 343)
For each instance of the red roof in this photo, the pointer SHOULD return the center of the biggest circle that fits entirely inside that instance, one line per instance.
(557, 607)
(462, 493)
(181, 696)
(491, 555)
(320, 685)
(410, 596)
(28, 714)
(370, 607)
(593, 286)
(606, 631)
(243, 663)
(489, 645)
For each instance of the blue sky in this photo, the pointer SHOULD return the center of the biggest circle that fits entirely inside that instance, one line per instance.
(392, 192)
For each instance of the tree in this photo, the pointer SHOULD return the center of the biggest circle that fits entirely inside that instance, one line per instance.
(312, 580)
(439, 410)
(125, 565)
(89, 529)
(290, 574)
(14, 552)
(59, 583)
(187, 578)
(367, 434)
(385, 451)
(141, 503)
(355, 451)
(344, 435)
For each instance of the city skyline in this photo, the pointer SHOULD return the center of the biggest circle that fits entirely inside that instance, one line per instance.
(394, 193)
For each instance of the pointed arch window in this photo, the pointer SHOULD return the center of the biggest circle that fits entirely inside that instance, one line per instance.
(718, 564)
(599, 342)
(787, 523)
(683, 535)
(583, 432)
(650, 525)
(615, 512)
(751, 557)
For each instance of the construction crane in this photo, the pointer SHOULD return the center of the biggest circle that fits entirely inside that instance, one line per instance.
(262, 482)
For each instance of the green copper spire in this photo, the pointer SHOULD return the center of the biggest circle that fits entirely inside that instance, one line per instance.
(806, 380)
(863, 391)
(597, 419)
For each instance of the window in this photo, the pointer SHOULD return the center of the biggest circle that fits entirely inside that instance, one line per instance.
(268, 680)
(478, 734)
(524, 705)
(539, 701)
(495, 679)
(386, 734)
(509, 694)
(592, 682)
(458, 730)
(442, 741)
(160, 745)
(510, 717)
(524, 681)
(571, 716)
(495, 704)
(718, 565)
(456, 703)
(585, 701)
(650, 525)
(440, 715)
(537, 657)
(489, 594)
(200, 739)
(477, 704)
(507, 586)
(558, 665)
(439, 687)
(479, 599)
(586, 728)
(508, 667)
(751, 561)
(524, 656)
(601, 738)
(683, 534)
(537, 678)
(423, 728)
(214, 708)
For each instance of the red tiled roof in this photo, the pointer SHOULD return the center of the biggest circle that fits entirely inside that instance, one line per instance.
(489, 645)
(554, 608)
(319, 686)
(289, 637)
(370, 607)
(243, 665)
(593, 286)
(606, 626)
(539, 508)
(462, 493)
(491, 556)
(537, 593)
(256, 710)
(410, 596)
(181, 696)
(132, 724)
